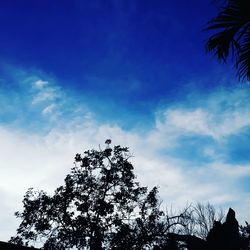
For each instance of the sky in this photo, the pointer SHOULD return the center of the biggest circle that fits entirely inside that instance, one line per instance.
(75, 73)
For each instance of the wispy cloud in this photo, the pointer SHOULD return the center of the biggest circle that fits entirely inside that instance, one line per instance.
(37, 104)
(40, 84)
(215, 115)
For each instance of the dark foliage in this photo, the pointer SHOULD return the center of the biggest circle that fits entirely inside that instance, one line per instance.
(9, 246)
(232, 37)
(222, 236)
(245, 236)
(100, 206)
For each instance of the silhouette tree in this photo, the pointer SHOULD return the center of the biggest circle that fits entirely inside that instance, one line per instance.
(245, 236)
(232, 37)
(199, 219)
(100, 206)
(222, 236)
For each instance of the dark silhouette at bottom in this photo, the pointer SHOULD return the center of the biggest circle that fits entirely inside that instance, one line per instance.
(9, 246)
(221, 237)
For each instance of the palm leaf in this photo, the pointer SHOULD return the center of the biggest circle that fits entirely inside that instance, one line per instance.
(243, 63)
(232, 25)
(221, 43)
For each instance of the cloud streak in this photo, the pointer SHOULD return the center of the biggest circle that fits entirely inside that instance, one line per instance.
(217, 116)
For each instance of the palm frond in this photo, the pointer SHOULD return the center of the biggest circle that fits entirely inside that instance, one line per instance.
(231, 16)
(232, 37)
(243, 63)
(220, 44)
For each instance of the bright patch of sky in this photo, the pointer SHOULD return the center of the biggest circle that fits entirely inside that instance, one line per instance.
(74, 73)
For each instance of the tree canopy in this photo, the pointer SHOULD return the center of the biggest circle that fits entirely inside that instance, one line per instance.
(100, 206)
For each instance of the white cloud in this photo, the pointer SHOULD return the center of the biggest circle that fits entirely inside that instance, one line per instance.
(232, 171)
(40, 84)
(185, 121)
(216, 116)
(49, 109)
(46, 94)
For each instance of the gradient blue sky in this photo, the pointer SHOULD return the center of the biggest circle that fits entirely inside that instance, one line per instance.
(74, 73)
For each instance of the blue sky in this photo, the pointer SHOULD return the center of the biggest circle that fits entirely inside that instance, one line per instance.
(74, 73)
